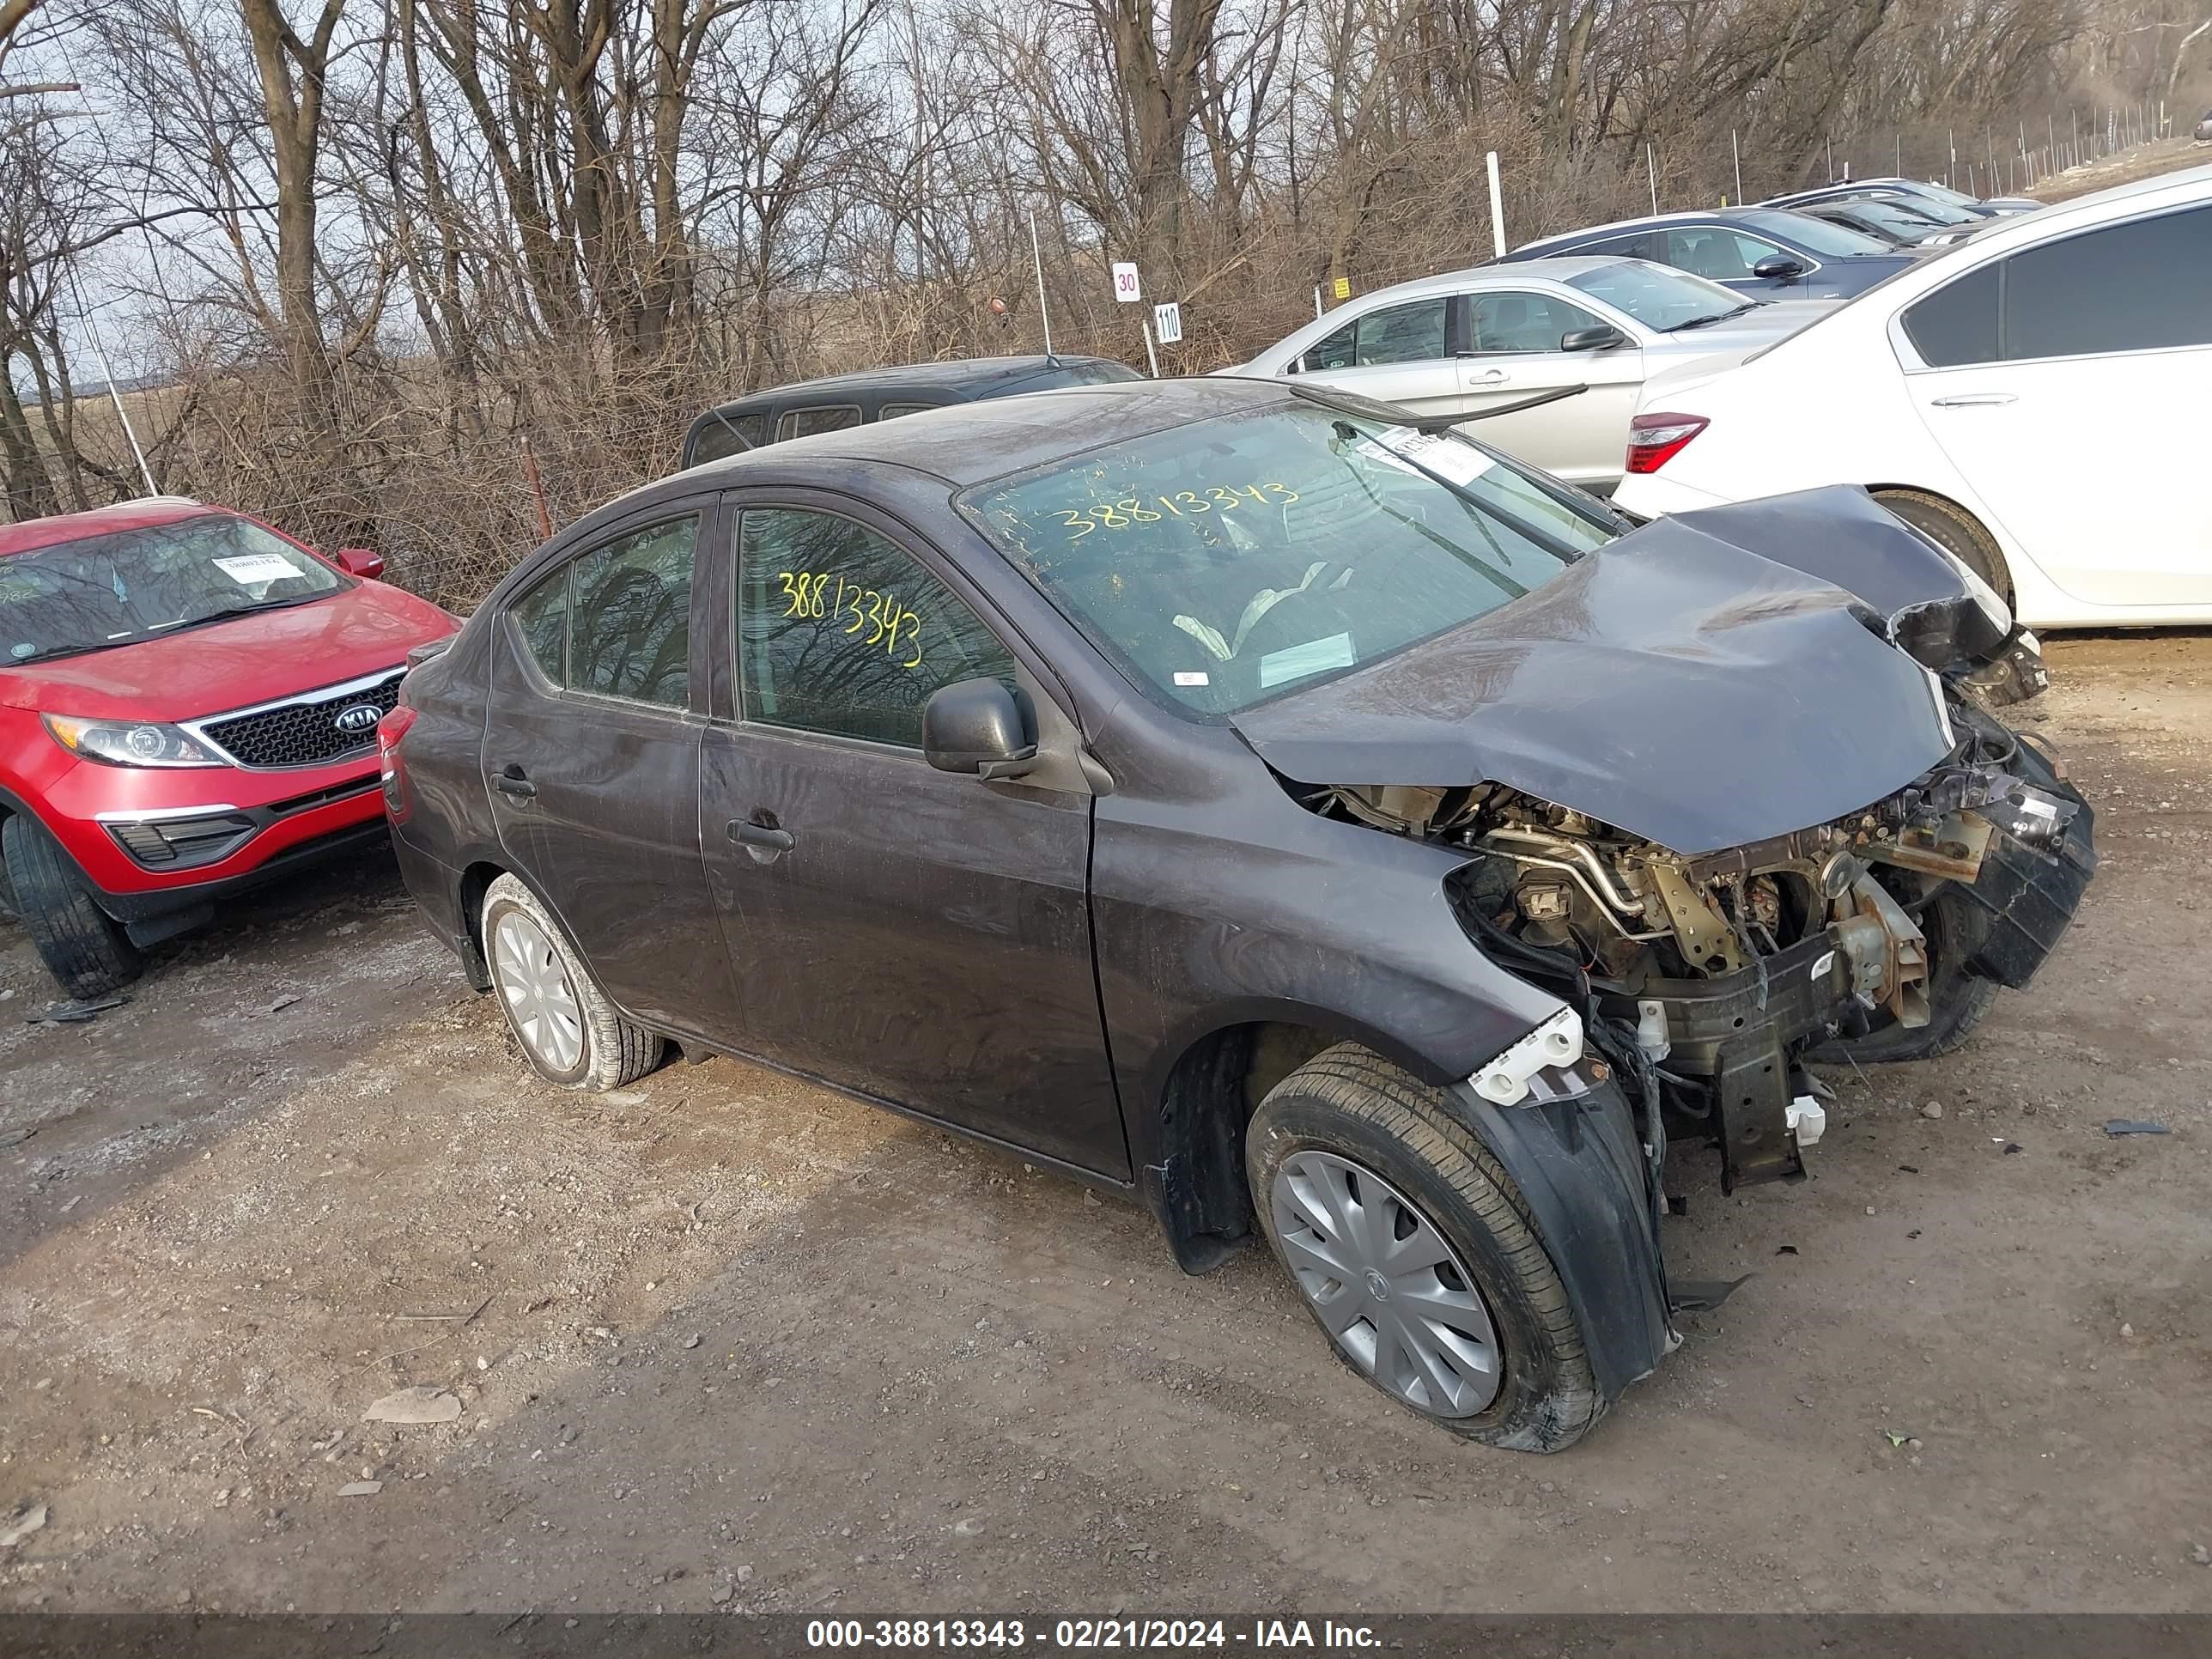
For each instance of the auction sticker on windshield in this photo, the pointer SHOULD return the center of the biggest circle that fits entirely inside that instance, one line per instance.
(247, 568)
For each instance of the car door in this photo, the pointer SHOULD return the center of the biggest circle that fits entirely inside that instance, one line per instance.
(1401, 354)
(1513, 354)
(590, 760)
(2064, 382)
(920, 937)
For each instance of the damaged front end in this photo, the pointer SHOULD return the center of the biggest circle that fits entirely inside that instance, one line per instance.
(1707, 979)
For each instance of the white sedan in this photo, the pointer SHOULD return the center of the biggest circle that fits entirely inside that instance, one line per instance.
(2037, 400)
(1473, 342)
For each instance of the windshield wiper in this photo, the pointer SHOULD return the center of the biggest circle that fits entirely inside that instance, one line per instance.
(52, 654)
(1716, 316)
(229, 611)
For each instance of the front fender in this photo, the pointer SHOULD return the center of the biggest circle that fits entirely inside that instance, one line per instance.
(1586, 1189)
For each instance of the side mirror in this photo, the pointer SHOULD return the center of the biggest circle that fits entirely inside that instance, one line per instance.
(365, 563)
(976, 726)
(1599, 338)
(1778, 268)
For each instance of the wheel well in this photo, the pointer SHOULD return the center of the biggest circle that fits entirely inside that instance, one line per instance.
(475, 880)
(1210, 1094)
(2004, 586)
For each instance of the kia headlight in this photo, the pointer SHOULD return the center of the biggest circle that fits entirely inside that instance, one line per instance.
(128, 742)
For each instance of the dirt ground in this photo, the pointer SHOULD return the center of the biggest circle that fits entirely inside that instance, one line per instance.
(730, 1341)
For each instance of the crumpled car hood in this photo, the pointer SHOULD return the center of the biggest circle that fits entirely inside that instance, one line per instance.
(1674, 685)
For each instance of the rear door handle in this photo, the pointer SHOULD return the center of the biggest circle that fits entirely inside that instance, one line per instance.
(511, 781)
(759, 834)
(1974, 400)
(1491, 377)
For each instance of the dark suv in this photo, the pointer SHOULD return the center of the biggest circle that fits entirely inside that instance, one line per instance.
(837, 401)
(1321, 829)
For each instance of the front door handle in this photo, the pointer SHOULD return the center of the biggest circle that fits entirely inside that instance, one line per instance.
(513, 781)
(1491, 377)
(1974, 400)
(761, 836)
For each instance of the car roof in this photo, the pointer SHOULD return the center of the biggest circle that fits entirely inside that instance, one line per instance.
(143, 513)
(1718, 215)
(964, 444)
(954, 373)
(1557, 269)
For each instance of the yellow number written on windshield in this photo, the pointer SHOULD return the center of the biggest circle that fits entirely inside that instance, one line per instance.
(1182, 504)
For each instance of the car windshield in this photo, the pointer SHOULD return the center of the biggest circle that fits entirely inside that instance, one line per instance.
(1896, 217)
(1930, 207)
(1815, 235)
(1226, 562)
(132, 584)
(1942, 193)
(1658, 296)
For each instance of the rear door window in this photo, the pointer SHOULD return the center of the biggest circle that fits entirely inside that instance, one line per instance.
(1401, 334)
(615, 621)
(892, 412)
(806, 422)
(2136, 287)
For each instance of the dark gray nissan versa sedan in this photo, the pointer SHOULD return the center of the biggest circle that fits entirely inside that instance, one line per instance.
(1237, 794)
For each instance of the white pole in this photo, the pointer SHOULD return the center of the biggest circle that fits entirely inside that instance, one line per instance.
(1496, 208)
(1037, 255)
(1736, 150)
(1652, 167)
(92, 333)
(1151, 355)
(1316, 301)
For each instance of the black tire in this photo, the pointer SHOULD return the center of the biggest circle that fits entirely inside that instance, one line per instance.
(1956, 531)
(84, 947)
(1957, 999)
(614, 1052)
(1352, 1103)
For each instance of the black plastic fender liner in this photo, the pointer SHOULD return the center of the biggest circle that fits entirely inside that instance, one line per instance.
(1582, 1172)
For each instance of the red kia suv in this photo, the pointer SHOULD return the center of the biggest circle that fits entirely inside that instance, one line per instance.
(188, 704)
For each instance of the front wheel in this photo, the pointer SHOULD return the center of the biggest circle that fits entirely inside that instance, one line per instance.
(1415, 1254)
(84, 947)
(563, 1022)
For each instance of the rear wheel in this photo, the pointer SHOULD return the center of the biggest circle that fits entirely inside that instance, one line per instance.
(1414, 1252)
(566, 1027)
(84, 947)
(1954, 530)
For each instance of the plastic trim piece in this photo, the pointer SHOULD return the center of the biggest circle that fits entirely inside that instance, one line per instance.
(1557, 1042)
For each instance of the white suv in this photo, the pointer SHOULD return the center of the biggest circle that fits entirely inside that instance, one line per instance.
(2037, 400)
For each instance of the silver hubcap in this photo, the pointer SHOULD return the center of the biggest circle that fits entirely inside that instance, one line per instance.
(541, 1003)
(1389, 1289)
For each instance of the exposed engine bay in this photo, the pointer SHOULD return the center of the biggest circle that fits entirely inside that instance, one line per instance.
(1706, 978)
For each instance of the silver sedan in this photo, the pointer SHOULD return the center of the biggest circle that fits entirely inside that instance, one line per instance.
(1477, 342)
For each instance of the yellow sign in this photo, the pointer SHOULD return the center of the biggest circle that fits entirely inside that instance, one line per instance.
(1344, 287)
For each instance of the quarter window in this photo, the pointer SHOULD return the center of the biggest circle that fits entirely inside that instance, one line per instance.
(543, 614)
(1402, 334)
(892, 412)
(629, 616)
(806, 422)
(1957, 324)
(839, 631)
(727, 434)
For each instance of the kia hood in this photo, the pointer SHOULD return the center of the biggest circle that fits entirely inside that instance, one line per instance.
(259, 658)
(1674, 684)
